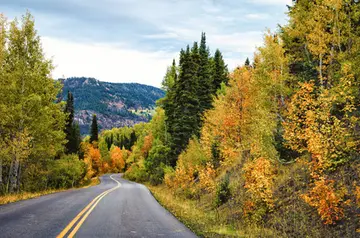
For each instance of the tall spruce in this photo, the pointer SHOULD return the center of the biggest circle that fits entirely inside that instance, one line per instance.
(247, 62)
(204, 77)
(72, 137)
(94, 131)
(77, 138)
(190, 89)
(196, 92)
(186, 104)
(220, 72)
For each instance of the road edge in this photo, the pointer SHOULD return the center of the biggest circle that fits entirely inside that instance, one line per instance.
(17, 197)
(183, 221)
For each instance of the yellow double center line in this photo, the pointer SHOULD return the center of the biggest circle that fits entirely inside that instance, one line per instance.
(87, 210)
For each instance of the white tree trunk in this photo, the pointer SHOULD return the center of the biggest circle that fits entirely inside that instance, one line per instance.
(14, 175)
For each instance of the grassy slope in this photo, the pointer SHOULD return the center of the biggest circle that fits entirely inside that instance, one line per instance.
(187, 211)
(291, 216)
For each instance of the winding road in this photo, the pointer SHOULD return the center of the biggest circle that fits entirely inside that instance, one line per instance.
(114, 208)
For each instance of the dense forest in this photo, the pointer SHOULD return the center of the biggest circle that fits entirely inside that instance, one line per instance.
(270, 149)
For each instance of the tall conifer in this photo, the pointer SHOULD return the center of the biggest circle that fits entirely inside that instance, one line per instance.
(220, 71)
(94, 133)
(185, 120)
(204, 76)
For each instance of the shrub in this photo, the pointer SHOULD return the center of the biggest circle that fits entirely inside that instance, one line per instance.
(327, 200)
(169, 176)
(136, 172)
(259, 176)
(157, 176)
(223, 191)
(67, 172)
(207, 178)
(155, 161)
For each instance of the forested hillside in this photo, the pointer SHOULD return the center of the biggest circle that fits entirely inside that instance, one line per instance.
(115, 104)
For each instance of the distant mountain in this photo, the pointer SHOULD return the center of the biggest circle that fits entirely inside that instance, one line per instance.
(115, 104)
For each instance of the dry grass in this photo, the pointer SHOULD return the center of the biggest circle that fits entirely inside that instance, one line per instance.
(9, 198)
(205, 223)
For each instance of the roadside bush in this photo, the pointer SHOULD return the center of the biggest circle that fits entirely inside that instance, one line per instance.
(223, 191)
(157, 175)
(136, 172)
(155, 162)
(66, 172)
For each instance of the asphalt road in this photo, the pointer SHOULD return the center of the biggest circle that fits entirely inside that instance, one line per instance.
(114, 208)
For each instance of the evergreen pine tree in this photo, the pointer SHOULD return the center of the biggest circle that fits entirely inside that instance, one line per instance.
(186, 105)
(76, 138)
(220, 71)
(94, 136)
(70, 146)
(132, 138)
(191, 93)
(247, 62)
(204, 77)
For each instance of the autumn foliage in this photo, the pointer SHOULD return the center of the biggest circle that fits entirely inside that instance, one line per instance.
(117, 160)
(329, 201)
(259, 181)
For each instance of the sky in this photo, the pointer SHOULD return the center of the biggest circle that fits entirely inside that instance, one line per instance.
(135, 40)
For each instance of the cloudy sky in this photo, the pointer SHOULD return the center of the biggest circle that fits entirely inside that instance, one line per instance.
(135, 40)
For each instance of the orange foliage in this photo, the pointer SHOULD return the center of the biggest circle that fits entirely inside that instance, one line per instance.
(357, 195)
(259, 176)
(88, 150)
(184, 176)
(329, 202)
(248, 207)
(117, 160)
(105, 168)
(312, 128)
(148, 140)
(207, 178)
(301, 102)
(95, 156)
(231, 119)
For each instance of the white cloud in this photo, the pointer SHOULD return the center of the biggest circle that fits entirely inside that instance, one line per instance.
(115, 63)
(168, 35)
(256, 16)
(106, 62)
(132, 29)
(237, 42)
